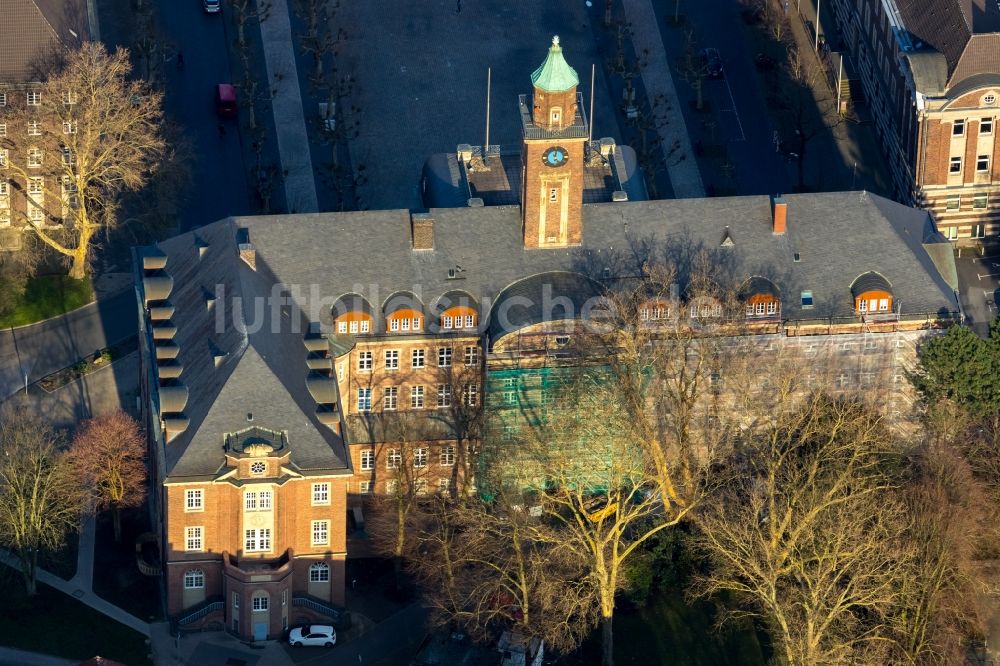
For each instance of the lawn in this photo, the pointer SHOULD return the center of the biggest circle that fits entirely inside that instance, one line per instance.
(116, 576)
(57, 624)
(669, 631)
(48, 296)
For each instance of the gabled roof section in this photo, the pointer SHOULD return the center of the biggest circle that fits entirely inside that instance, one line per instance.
(980, 56)
(940, 24)
(555, 74)
(33, 29)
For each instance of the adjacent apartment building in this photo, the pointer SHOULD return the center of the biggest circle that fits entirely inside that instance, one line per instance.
(33, 30)
(293, 366)
(931, 73)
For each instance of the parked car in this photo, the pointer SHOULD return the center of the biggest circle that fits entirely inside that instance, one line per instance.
(321, 635)
(225, 100)
(712, 61)
(211, 6)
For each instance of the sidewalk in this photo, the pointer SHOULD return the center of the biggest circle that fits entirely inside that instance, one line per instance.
(286, 104)
(685, 179)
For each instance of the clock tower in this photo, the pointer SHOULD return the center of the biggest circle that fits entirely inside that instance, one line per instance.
(552, 152)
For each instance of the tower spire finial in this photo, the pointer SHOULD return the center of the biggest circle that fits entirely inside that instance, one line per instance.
(555, 40)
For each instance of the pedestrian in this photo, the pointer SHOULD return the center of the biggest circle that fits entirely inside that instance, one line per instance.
(222, 130)
(458, 6)
(180, 59)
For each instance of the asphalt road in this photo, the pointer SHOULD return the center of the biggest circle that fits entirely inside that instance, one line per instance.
(219, 185)
(979, 283)
(43, 348)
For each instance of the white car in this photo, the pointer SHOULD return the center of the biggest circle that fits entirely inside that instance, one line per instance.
(314, 634)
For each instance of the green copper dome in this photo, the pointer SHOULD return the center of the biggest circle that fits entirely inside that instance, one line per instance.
(555, 74)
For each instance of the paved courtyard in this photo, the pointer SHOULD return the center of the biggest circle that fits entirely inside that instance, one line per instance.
(979, 279)
(420, 72)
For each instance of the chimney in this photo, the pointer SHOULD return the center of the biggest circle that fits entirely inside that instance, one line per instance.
(779, 215)
(247, 251)
(422, 227)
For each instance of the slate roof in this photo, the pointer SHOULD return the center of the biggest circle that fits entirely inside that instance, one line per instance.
(34, 28)
(966, 32)
(317, 258)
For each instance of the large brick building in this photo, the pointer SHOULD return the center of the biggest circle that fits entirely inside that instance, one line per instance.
(295, 364)
(931, 73)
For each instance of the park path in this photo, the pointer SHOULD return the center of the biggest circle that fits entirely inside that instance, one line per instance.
(685, 179)
(286, 105)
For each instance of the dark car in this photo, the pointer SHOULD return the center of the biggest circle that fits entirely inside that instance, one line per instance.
(712, 61)
(225, 100)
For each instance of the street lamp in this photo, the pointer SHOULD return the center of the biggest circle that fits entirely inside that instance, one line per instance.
(816, 44)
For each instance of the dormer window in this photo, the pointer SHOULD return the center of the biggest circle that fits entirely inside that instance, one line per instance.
(761, 298)
(872, 294)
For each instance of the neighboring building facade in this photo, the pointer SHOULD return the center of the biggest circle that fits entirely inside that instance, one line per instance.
(931, 73)
(295, 364)
(34, 30)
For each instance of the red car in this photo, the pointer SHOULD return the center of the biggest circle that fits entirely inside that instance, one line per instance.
(225, 100)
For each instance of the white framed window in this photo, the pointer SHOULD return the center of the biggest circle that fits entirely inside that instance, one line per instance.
(392, 359)
(446, 322)
(193, 538)
(69, 98)
(34, 98)
(320, 532)
(958, 128)
(36, 198)
(978, 231)
(3, 99)
(393, 459)
(4, 153)
(952, 233)
(368, 459)
(986, 125)
(444, 485)
(319, 573)
(69, 127)
(644, 314)
(990, 100)
(883, 305)
(194, 500)
(194, 579)
(365, 326)
(444, 395)
(982, 163)
(35, 158)
(955, 165)
(472, 355)
(417, 323)
(416, 397)
(444, 357)
(250, 501)
(364, 361)
(258, 540)
(420, 458)
(418, 358)
(364, 399)
(260, 602)
(470, 321)
(447, 456)
(320, 494)
(68, 156)
(366, 487)
(3, 129)
(393, 324)
(470, 395)
(34, 128)
(980, 201)
(389, 397)
(264, 500)
(353, 326)
(341, 327)
(404, 324)
(953, 202)
(862, 305)
(420, 486)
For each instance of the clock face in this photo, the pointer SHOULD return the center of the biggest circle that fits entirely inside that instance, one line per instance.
(554, 157)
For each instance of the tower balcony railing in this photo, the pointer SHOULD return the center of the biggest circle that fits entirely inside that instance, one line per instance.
(578, 130)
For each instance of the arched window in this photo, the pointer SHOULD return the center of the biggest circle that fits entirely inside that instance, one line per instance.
(194, 579)
(319, 573)
(872, 294)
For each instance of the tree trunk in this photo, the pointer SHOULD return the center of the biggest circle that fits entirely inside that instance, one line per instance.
(607, 640)
(29, 569)
(116, 517)
(397, 552)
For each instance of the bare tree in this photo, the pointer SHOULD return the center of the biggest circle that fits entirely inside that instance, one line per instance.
(40, 497)
(804, 533)
(109, 454)
(73, 146)
(693, 68)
